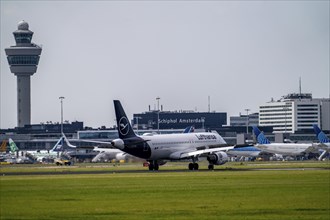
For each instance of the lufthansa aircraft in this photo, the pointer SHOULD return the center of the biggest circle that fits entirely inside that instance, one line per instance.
(169, 147)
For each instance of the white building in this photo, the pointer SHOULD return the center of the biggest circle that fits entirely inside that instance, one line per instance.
(294, 113)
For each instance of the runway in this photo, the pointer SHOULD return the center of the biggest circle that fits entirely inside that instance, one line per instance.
(70, 171)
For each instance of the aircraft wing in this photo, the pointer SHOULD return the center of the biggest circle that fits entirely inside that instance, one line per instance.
(314, 148)
(322, 146)
(185, 154)
(102, 143)
(128, 143)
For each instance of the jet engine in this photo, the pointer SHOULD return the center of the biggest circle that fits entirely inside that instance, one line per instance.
(218, 158)
(118, 143)
(121, 156)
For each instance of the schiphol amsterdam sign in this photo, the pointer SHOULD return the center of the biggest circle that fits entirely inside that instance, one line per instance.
(181, 121)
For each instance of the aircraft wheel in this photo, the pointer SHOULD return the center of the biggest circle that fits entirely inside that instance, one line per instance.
(191, 166)
(211, 167)
(151, 166)
(196, 166)
(156, 167)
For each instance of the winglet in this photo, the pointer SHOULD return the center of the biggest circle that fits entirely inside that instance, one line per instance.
(67, 141)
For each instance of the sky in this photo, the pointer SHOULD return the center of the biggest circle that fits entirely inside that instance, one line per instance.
(241, 54)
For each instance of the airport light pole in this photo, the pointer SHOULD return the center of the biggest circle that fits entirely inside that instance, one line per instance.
(158, 98)
(61, 98)
(203, 122)
(247, 120)
(137, 123)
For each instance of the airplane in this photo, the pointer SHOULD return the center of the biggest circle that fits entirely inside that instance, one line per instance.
(12, 145)
(40, 155)
(9, 157)
(321, 136)
(189, 129)
(244, 151)
(324, 141)
(118, 155)
(168, 147)
(287, 149)
(3, 147)
(110, 154)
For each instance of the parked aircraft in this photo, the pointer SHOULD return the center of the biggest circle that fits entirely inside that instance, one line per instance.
(244, 151)
(12, 146)
(3, 147)
(324, 141)
(109, 154)
(40, 155)
(158, 148)
(286, 149)
(8, 157)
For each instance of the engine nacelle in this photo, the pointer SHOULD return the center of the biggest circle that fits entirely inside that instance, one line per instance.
(121, 156)
(118, 143)
(218, 158)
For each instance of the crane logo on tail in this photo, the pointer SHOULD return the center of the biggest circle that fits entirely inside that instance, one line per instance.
(123, 126)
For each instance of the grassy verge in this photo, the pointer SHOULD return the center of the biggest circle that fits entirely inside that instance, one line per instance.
(271, 194)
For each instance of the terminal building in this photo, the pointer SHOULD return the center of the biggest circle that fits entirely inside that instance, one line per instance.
(179, 120)
(295, 113)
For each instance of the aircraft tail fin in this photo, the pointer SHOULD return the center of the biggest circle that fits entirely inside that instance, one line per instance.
(189, 129)
(12, 145)
(3, 147)
(124, 127)
(59, 145)
(261, 138)
(320, 134)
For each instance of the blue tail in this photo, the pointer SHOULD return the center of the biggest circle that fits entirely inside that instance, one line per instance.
(320, 134)
(58, 146)
(189, 129)
(261, 139)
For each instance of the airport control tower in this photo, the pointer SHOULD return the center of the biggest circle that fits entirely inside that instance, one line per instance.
(23, 59)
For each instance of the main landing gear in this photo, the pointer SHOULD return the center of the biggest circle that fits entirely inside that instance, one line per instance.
(193, 166)
(153, 165)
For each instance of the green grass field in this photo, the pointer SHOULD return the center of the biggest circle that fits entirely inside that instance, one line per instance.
(225, 194)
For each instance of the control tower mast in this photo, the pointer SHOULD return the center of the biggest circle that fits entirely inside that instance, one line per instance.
(23, 59)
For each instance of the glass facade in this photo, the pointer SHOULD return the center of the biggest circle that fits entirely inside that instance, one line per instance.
(23, 60)
(23, 37)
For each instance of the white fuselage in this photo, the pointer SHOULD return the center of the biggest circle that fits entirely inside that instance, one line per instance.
(290, 149)
(171, 146)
